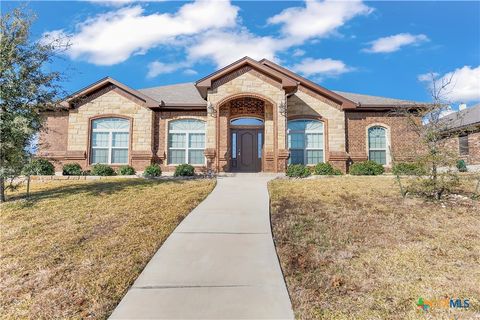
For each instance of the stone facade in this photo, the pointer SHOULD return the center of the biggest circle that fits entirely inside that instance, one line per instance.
(247, 82)
(243, 92)
(114, 102)
(306, 104)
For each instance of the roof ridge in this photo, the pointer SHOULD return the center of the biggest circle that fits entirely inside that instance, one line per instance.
(168, 85)
(308, 83)
(371, 95)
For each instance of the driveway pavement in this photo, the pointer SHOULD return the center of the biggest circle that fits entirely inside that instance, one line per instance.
(219, 263)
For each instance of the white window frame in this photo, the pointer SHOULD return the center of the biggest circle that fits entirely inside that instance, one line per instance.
(387, 142)
(187, 147)
(305, 133)
(110, 146)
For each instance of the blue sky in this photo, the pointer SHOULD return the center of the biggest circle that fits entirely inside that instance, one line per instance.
(379, 48)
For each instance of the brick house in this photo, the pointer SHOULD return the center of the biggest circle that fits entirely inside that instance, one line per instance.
(463, 134)
(249, 116)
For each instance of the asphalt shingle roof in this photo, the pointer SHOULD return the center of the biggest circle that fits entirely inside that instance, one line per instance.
(373, 100)
(175, 94)
(187, 93)
(463, 118)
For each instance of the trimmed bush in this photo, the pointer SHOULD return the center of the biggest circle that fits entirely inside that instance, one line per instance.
(462, 166)
(126, 171)
(184, 170)
(366, 168)
(39, 167)
(298, 171)
(152, 170)
(100, 169)
(72, 169)
(409, 169)
(326, 169)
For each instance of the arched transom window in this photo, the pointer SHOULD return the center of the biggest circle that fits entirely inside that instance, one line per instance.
(186, 141)
(110, 140)
(377, 144)
(305, 141)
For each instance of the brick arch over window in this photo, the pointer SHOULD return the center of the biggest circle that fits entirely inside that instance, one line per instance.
(109, 116)
(376, 146)
(245, 95)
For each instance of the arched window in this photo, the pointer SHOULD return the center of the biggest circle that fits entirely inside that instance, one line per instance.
(186, 141)
(305, 141)
(110, 140)
(377, 144)
(246, 121)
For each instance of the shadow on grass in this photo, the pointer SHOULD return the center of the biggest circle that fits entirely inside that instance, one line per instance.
(95, 188)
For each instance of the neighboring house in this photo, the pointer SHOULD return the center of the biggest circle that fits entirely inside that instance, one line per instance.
(250, 116)
(463, 134)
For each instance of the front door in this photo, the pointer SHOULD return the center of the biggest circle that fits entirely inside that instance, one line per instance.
(246, 146)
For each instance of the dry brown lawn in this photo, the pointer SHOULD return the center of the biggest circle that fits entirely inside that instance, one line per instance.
(74, 249)
(351, 248)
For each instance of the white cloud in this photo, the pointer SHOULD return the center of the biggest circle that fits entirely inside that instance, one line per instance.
(464, 84)
(321, 67)
(112, 37)
(224, 47)
(111, 3)
(395, 42)
(428, 76)
(298, 53)
(317, 18)
(190, 72)
(156, 68)
(203, 30)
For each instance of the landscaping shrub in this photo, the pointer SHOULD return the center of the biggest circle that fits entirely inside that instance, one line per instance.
(429, 188)
(152, 170)
(184, 170)
(366, 168)
(72, 169)
(126, 171)
(102, 170)
(461, 166)
(298, 171)
(409, 169)
(40, 167)
(326, 169)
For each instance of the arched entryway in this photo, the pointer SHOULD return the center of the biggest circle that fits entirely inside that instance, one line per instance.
(242, 125)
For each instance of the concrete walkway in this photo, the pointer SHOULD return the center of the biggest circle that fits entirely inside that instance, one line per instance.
(219, 263)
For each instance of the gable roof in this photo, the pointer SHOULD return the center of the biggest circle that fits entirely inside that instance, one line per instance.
(343, 101)
(463, 118)
(70, 101)
(193, 95)
(205, 83)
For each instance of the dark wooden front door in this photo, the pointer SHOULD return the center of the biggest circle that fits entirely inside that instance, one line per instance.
(246, 146)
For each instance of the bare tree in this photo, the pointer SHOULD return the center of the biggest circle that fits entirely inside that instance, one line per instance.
(433, 132)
